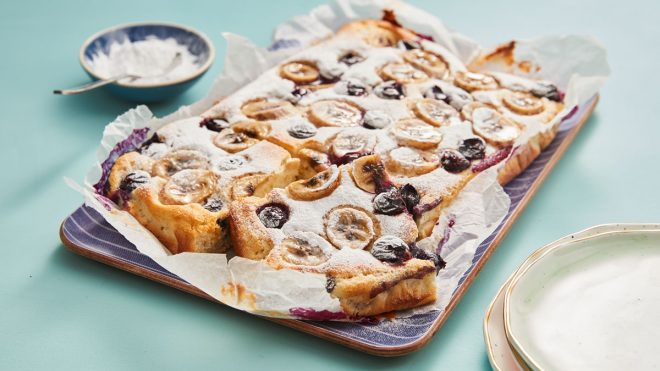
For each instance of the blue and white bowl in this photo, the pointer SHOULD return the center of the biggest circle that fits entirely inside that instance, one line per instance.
(197, 43)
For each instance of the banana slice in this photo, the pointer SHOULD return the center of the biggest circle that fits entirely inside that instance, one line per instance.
(188, 186)
(351, 141)
(369, 174)
(496, 129)
(472, 81)
(411, 162)
(403, 73)
(523, 103)
(319, 161)
(434, 112)
(246, 185)
(233, 142)
(263, 110)
(299, 72)
(428, 62)
(335, 113)
(178, 160)
(349, 227)
(253, 129)
(305, 248)
(318, 186)
(416, 133)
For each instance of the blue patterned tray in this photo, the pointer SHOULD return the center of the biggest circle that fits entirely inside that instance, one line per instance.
(87, 233)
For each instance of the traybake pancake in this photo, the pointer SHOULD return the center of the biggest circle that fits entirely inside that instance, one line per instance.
(338, 160)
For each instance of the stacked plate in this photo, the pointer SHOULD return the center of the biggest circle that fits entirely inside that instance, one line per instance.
(588, 301)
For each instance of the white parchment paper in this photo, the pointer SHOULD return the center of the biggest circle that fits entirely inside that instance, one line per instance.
(577, 64)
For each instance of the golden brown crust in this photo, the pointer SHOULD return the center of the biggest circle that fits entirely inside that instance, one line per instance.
(181, 228)
(373, 291)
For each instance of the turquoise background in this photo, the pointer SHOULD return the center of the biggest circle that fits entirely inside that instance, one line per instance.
(61, 311)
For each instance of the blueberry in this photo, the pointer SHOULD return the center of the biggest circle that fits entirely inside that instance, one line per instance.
(330, 284)
(376, 119)
(273, 215)
(355, 88)
(389, 90)
(453, 161)
(435, 92)
(348, 157)
(213, 205)
(350, 59)
(302, 130)
(389, 202)
(422, 254)
(410, 197)
(473, 149)
(214, 124)
(409, 44)
(133, 180)
(546, 90)
(390, 249)
(298, 93)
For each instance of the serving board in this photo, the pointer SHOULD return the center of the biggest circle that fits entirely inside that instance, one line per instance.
(85, 232)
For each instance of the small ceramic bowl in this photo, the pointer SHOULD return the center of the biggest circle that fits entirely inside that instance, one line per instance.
(197, 43)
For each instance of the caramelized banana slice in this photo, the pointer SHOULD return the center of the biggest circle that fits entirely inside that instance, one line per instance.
(428, 62)
(355, 140)
(188, 186)
(495, 128)
(349, 227)
(253, 129)
(523, 103)
(246, 185)
(472, 81)
(434, 112)
(416, 133)
(263, 110)
(233, 142)
(411, 162)
(178, 160)
(319, 161)
(403, 73)
(369, 174)
(335, 113)
(318, 186)
(305, 248)
(299, 72)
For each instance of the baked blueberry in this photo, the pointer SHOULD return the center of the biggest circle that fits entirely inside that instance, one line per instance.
(389, 90)
(351, 58)
(355, 88)
(302, 130)
(273, 215)
(453, 161)
(472, 148)
(154, 139)
(376, 119)
(298, 93)
(422, 254)
(213, 204)
(347, 157)
(409, 44)
(214, 124)
(133, 180)
(546, 90)
(390, 249)
(410, 197)
(389, 202)
(330, 284)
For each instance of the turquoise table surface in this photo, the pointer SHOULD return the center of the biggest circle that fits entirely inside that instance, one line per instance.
(59, 311)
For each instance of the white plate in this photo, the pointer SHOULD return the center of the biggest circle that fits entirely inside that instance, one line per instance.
(500, 354)
(589, 302)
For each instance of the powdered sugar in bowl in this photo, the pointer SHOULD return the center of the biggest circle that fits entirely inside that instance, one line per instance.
(146, 50)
